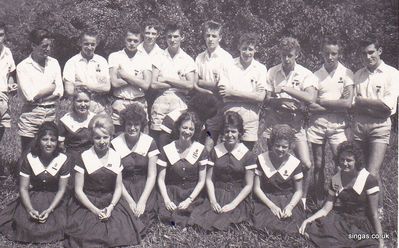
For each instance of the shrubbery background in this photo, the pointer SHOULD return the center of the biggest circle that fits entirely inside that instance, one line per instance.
(307, 20)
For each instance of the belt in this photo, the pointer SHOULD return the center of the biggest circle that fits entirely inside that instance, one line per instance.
(140, 98)
(44, 106)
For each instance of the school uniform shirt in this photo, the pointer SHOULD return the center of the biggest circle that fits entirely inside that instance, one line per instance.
(250, 79)
(382, 84)
(76, 135)
(7, 65)
(137, 64)
(153, 55)
(177, 67)
(32, 78)
(79, 70)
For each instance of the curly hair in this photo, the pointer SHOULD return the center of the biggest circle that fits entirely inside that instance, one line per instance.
(233, 119)
(289, 43)
(204, 105)
(47, 128)
(135, 113)
(280, 132)
(353, 149)
(103, 122)
(188, 116)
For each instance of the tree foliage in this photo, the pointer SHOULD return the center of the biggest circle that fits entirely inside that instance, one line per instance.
(307, 20)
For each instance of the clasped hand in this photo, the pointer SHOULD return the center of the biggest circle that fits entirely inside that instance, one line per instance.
(40, 217)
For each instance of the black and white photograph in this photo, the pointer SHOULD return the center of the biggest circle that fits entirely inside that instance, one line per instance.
(199, 123)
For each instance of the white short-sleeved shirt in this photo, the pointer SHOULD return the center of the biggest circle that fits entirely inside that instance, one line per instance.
(80, 70)
(250, 79)
(137, 64)
(300, 78)
(32, 78)
(331, 85)
(153, 55)
(175, 67)
(219, 62)
(7, 65)
(382, 84)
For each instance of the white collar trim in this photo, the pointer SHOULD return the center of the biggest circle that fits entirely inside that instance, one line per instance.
(285, 169)
(238, 152)
(54, 166)
(192, 155)
(92, 163)
(358, 185)
(73, 125)
(141, 147)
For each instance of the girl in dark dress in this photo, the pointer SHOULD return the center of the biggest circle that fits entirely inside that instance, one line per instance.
(229, 180)
(39, 214)
(139, 155)
(74, 125)
(182, 172)
(351, 206)
(97, 217)
(278, 185)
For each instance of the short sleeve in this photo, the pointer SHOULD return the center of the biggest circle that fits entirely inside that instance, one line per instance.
(297, 173)
(310, 80)
(26, 170)
(153, 150)
(212, 158)
(79, 166)
(269, 81)
(203, 159)
(113, 60)
(162, 159)
(190, 65)
(167, 124)
(348, 78)
(61, 131)
(250, 161)
(69, 71)
(258, 170)
(371, 186)
(65, 169)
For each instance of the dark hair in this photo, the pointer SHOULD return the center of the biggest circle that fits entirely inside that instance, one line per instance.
(233, 119)
(152, 23)
(92, 32)
(133, 28)
(281, 132)
(36, 36)
(46, 128)
(81, 89)
(330, 40)
(3, 26)
(205, 105)
(353, 149)
(289, 43)
(174, 26)
(134, 112)
(212, 25)
(187, 116)
(249, 38)
(370, 40)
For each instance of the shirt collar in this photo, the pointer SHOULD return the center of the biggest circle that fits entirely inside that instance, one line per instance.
(35, 64)
(380, 68)
(293, 72)
(358, 184)
(74, 125)
(53, 168)
(285, 170)
(237, 62)
(81, 58)
(238, 152)
(215, 54)
(141, 147)
(192, 155)
(92, 163)
(154, 49)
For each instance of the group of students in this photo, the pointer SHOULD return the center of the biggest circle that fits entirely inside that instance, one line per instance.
(203, 115)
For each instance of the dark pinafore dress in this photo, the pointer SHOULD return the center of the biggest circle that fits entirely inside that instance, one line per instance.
(84, 229)
(229, 169)
(182, 175)
(135, 163)
(15, 221)
(349, 215)
(278, 184)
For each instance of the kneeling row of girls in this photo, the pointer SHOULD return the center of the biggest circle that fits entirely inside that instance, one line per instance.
(103, 193)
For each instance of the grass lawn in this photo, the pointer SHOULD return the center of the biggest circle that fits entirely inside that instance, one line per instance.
(237, 236)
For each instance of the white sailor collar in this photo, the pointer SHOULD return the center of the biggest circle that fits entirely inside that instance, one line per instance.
(238, 152)
(358, 184)
(141, 147)
(74, 125)
(285, 170)
(53, 168)
(192, 155)
(92, 163)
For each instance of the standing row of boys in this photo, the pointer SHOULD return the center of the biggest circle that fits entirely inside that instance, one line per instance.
(142, 74)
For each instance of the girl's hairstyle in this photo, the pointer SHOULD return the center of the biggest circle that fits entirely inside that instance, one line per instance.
(289, 43)
(103, 122)
(352, 149)
(188, 116)
(46, 128)
(81, 89)
(233, 119)
(281, 132)
(135, 113)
